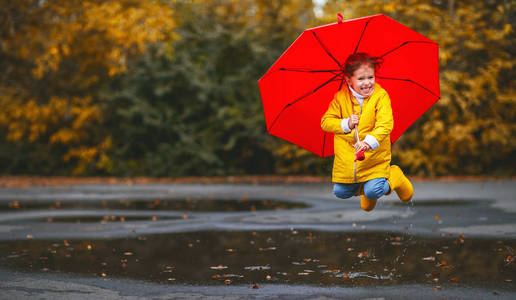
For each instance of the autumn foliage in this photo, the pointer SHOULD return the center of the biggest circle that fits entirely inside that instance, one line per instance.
(169, 88)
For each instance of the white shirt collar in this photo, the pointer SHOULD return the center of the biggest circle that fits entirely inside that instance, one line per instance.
(359, 97)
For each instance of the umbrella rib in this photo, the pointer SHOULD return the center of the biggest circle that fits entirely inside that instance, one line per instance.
(325, 49)
(362, 35)
(405, 43)
(308, 71)
(299, 99)
(409, 80)
(323, 144)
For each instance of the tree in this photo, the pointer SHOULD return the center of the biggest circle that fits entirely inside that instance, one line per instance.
(198, 111)
(55, 54)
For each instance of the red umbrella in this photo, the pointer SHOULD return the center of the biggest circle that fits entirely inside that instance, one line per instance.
(298, 88)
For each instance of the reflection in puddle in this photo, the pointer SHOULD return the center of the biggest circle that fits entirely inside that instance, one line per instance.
(102, 219)
(219, 205)
(320, 258)
(440, 202)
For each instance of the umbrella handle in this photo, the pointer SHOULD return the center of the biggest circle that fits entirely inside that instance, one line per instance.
(356, 133)
(359, 155)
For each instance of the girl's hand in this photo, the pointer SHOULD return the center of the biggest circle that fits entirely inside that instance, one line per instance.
(361, 146)
(353, 121)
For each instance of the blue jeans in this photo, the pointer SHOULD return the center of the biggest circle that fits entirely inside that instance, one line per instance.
(373, 189)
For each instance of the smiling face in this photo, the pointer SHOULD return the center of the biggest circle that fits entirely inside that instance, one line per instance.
(363, 80)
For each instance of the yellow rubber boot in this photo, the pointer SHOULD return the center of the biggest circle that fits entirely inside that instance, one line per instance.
(400, 183)
(367, 204)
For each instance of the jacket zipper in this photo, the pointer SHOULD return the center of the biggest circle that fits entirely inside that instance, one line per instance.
(356, 128)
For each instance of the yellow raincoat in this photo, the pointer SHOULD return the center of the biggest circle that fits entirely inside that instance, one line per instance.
(376, 120)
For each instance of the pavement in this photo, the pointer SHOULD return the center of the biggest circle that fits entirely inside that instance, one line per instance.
(473, 209)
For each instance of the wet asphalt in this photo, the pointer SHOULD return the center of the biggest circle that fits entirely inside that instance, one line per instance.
(456, 211)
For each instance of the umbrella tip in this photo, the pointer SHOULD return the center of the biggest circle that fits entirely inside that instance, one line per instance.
(339, 18)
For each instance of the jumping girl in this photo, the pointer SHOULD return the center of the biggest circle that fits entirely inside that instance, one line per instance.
(360, 116)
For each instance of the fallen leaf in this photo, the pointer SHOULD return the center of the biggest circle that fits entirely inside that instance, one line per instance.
(453, 279)
(362, 254)
(267, 249)
(14, 204)
(257, 268)
(219, 267)
(437, 287)
(509, 259)
(256, 286)
(429, 258)
(436, 217)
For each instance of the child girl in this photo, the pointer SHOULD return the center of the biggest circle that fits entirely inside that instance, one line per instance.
(365, 106)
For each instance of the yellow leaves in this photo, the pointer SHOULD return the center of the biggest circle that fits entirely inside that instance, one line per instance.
(444, 56)
(86, 156)
(433, 129)
(474, 44)
(63, 136)
(32, 120)
(390, 7)
(95, 33)
(507, 29)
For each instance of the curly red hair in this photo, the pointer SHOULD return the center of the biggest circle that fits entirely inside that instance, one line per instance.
(355, 60)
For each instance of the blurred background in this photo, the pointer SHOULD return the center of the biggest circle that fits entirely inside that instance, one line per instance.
(168, 88)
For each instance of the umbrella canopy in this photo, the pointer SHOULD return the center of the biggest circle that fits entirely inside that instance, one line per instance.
(299, 86)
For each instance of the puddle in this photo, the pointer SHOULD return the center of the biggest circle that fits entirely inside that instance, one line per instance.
(205, 205)
(102, 219)
(440, 202)
(287, 257)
